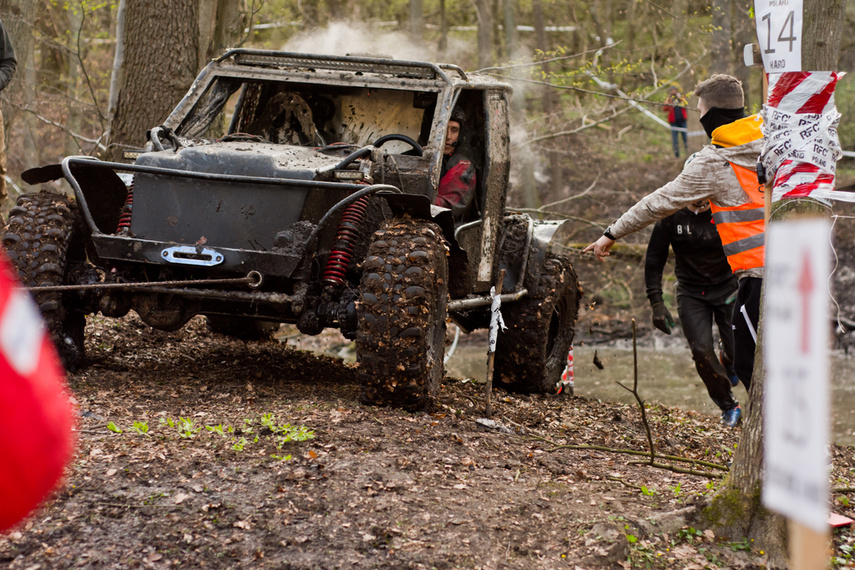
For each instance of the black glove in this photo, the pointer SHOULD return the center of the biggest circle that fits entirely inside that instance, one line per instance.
(662, 319)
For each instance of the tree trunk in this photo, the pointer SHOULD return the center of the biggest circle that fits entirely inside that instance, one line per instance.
(721, 44)
(510, 25)
(73, 120)
(550, 106)
(736, 510)
(161, 60)
(744, 33)
(443, 30)
(484, 9)
(680, 9)
(221, 26)
(118, 62)
(631, 14)
(18, 17)
(417, 23)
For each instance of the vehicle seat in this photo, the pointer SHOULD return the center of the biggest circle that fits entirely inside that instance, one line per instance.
(286, 119)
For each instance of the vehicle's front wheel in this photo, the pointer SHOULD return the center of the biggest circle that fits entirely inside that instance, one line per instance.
(400, 340)
(532, 353)
(44, 241)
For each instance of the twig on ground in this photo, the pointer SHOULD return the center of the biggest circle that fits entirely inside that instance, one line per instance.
(634, 391)
(676, 469)
(587, 447)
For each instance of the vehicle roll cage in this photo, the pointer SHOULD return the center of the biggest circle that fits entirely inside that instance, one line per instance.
(379, 65)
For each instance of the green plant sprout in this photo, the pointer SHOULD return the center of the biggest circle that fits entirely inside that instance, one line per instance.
(141, 428)
(186, 429)
(113, 428)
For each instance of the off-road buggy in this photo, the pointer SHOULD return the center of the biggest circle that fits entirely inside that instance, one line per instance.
(299, 189)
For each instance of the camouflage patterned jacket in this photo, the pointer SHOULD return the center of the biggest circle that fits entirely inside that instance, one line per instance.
(707, 175)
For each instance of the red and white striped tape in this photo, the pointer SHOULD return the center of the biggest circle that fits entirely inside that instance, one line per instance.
(567, 375)
(566, 384)
(800, 125)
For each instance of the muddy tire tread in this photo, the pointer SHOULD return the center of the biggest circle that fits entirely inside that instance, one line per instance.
(532, 352)
(400, 340)
(40, 239)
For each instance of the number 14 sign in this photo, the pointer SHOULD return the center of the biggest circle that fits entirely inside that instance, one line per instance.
(779, 31)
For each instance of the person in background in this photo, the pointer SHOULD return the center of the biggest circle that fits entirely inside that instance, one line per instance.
(8, 65)
(457, 179)
(705, 290)
(675, 106)
(722, 172)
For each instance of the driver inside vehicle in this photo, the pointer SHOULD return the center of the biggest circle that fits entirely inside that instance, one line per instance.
(457, 179)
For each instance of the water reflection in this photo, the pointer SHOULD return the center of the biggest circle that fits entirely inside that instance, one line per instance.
(666, 375)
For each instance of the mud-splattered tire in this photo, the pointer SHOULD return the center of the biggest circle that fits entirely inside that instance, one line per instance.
(532, 353)
(400, 339)
(243, 328)
(44, 241)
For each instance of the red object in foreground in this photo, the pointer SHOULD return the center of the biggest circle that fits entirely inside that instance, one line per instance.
(835, 520)
(36, 415)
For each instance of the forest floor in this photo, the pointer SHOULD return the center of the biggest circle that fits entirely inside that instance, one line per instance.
(199, 450)
(200, 474)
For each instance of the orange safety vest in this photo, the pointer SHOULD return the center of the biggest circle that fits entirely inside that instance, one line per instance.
(741, 228)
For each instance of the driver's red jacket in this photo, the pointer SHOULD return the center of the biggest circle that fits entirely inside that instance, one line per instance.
(456, 183)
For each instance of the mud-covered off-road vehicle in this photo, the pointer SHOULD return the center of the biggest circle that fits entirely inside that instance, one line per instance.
(298, 188)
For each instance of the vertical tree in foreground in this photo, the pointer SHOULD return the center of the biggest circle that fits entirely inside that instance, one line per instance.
(737, 510)
(161, 57)
(164, 46)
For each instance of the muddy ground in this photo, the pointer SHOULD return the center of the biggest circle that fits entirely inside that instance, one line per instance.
(182, 461)
(373, 487)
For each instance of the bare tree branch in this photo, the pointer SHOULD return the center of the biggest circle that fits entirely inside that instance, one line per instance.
(77, 137)
(101, 118)
(577, 196)
(541, 62)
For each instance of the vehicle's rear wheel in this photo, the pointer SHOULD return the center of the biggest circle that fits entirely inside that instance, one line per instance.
(400, 340)
(532, 353)
(44, 241)
(244, 328)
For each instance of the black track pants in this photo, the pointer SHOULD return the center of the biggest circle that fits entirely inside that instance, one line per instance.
(697, 316)
(746, 316)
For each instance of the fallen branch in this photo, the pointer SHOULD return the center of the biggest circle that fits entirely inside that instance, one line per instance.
(586, 447)
(676, 469)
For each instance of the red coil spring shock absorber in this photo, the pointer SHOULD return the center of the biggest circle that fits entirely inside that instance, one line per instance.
(125, 217)
(345, 240)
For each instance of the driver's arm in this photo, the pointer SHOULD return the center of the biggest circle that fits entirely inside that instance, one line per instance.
(456, 189)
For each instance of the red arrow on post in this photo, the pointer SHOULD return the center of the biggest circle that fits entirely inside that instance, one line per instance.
(805, 288)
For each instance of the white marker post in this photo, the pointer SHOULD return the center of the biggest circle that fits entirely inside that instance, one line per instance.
(779, 30)
(796, 393)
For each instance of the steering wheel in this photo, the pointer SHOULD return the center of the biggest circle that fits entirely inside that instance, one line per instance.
(399, 137)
